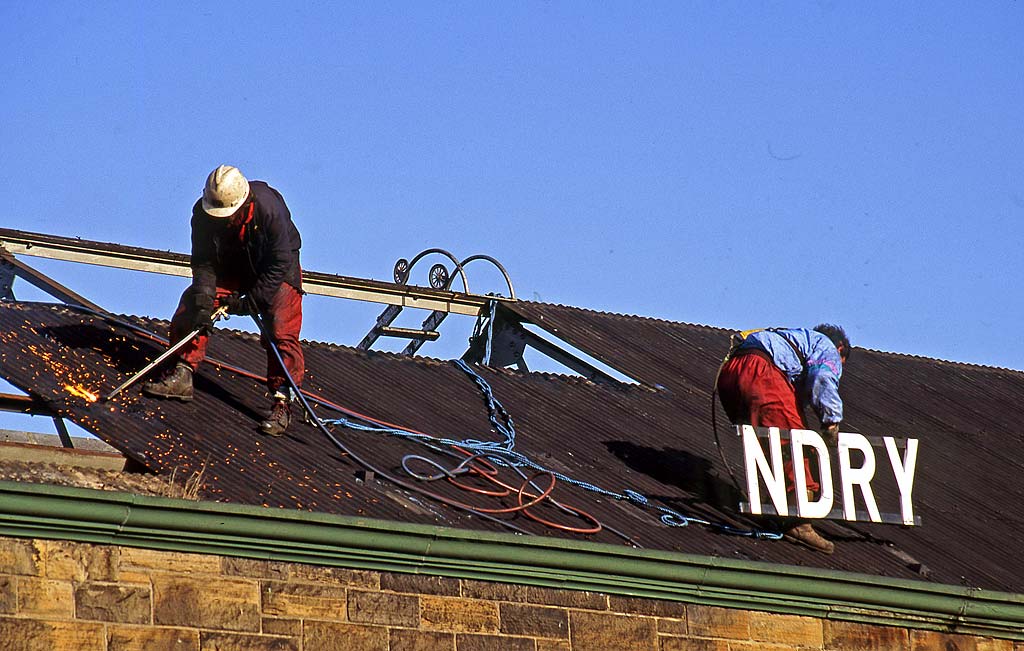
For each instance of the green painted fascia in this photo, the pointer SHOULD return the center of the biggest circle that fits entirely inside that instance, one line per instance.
(104, 517)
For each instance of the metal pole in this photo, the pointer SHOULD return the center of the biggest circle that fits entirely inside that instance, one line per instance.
(221, 311)
(62, 432)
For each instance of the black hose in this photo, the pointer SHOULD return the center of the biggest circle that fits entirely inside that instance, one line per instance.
(297, 392)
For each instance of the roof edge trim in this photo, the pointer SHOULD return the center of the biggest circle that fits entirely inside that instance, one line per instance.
(105, 517)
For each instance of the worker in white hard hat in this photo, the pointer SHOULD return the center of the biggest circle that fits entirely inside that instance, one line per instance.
(245, 256)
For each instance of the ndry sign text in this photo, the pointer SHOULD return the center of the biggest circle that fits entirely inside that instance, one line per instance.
(855, 482)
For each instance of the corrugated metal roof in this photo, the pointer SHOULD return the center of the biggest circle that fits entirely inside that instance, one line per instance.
(653, 438)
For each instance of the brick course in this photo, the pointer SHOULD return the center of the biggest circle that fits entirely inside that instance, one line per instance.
(63, 595)
(458, 615)
(45, 598)
(303, 601)
(861, 637)
(802, 632)
(148, 638)
(409, 640)
(208, 602)
(535, 621)
(603, 631)
(220, 641)
(384, 608)
(465, 642)
(332, 636)
(19, 557)
(110, 602)
(708, 621)
(8, 595)
(31, 635)
(71, 562)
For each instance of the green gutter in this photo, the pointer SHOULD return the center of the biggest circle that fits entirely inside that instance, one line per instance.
(102, 517)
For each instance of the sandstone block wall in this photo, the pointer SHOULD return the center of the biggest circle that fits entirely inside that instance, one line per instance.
(59, 595)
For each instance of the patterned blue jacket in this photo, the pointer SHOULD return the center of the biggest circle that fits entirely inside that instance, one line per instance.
(819, 387)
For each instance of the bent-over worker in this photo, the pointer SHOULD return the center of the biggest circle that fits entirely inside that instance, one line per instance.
(769, 379)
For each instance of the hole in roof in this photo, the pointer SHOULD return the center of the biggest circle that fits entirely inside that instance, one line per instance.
(538, 361)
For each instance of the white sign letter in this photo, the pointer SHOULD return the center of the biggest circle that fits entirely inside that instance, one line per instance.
(755, 461)
(904, 472)
(860, 476)
(804, 507)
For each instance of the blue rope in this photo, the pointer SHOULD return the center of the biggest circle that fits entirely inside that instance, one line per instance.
(504, 454)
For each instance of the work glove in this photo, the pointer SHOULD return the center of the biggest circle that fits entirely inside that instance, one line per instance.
(237, 304)
(830, 433)
(202, 316)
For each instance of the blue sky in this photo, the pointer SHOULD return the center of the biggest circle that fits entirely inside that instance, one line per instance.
(729, 163)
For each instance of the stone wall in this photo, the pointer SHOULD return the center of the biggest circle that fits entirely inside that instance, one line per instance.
(60, 595)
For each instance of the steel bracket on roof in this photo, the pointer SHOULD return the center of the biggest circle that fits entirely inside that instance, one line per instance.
(43, 282)
(500, 340)
(440, 279)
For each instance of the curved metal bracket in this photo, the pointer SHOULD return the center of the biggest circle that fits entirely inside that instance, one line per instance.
(438, 280)
(438, 275)
(508, 280)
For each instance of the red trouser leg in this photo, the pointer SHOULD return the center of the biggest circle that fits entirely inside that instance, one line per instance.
(754, 391)
(282, 324)
(182, 322)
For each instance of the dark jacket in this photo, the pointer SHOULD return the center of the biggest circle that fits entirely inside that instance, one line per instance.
(256, 254)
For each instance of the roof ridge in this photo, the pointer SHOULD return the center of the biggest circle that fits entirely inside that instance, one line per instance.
(728, 329)
(625, 315)
(942, 360)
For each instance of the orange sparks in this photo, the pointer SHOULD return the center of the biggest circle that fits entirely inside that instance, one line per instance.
(81, 392)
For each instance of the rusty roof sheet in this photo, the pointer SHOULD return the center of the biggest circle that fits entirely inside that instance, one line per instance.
(654, 438)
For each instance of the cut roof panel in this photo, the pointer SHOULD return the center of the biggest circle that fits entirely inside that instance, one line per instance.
(656, 352)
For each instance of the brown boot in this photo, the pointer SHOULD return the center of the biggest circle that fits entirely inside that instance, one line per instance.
(280, 417)
(805, 534)
(175, 383)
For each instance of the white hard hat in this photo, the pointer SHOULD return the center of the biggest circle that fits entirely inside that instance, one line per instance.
(226, 189)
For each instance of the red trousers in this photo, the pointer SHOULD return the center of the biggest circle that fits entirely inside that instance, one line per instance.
(755, 392)
(282, 324)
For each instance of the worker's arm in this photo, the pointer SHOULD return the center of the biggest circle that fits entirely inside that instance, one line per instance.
(823, 372)
(204, 278)
(280, 251)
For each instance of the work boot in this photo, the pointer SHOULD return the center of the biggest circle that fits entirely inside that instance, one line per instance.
(805, 534)
(175, 383)
(280, 417)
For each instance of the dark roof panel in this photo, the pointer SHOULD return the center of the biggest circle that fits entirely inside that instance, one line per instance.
(656, 441)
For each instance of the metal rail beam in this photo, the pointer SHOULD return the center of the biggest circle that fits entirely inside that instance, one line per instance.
(10, 264)
(23, 405)
(566, 358)
(169, 263)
